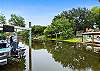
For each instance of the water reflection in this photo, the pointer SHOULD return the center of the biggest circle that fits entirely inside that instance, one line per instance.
(71, 56)
(60, 56)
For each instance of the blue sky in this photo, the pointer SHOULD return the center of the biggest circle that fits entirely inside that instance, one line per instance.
(41, 12)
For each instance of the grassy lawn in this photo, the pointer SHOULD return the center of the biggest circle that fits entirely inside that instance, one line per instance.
(54, 39)
(73, 40)
(68, 40)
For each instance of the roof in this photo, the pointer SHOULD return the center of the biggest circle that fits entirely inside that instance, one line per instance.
(16, 27)
(91, 33)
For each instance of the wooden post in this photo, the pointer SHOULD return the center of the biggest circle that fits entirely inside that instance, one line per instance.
(82, 37)
(60, 36)
(56, 36)
(92, 39)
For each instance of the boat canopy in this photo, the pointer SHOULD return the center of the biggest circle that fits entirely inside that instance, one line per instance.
(12, 28)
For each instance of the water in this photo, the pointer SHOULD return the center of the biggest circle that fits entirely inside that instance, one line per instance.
(51, 56)
(60, 56)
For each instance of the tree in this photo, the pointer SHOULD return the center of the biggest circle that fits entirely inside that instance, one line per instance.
(96, 12)
(38, 30)
(2, 35)
(49, 31)
(60, 26)
(17, 20)
(2, 19)
(82, 17)
(68, 22)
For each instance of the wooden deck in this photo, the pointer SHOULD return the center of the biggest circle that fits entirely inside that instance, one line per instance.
(94, 40)
(97, 44)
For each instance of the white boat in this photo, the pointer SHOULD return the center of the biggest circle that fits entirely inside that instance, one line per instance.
(4, 53)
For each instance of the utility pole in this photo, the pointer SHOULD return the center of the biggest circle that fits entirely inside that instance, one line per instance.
(30, 44)
(30, 35)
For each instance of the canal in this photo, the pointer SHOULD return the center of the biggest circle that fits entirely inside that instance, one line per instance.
(56, 56)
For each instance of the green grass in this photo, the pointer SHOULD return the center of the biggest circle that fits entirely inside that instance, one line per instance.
(73, 40)
(52, 39)
(68, 40)
(58, 39)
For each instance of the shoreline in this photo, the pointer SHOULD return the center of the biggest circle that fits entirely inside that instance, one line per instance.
(72, 40)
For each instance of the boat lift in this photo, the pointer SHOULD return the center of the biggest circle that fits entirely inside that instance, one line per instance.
(5, 51)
